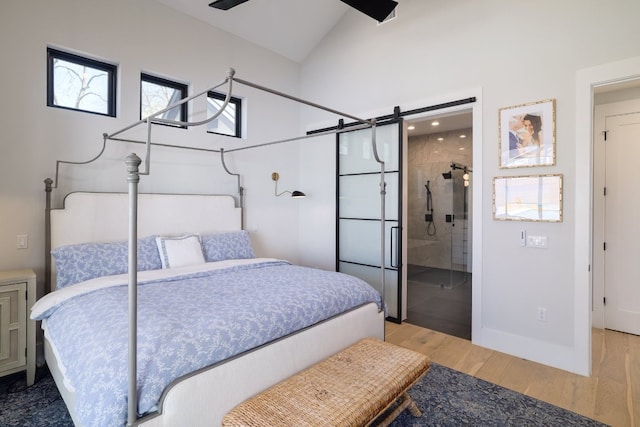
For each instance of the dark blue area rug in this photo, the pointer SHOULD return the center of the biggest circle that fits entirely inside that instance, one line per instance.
(451, 398)
(445, 397)
(35, 406)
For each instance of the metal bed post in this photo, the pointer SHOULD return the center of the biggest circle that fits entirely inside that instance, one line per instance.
(383, 193)
(240, 188)
(47, 232)
(133, 178)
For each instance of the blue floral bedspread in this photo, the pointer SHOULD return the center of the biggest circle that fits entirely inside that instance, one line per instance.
(186, 323)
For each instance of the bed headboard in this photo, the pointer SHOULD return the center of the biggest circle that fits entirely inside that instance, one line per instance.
(104, 217)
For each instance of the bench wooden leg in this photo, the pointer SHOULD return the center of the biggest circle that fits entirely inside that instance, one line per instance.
(405, 403)
(413, 408)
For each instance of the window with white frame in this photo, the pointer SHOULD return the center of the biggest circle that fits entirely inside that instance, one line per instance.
(79, 83)
(230, 121)
(156, 94)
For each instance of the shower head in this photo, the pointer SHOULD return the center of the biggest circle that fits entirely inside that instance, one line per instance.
(446, 175)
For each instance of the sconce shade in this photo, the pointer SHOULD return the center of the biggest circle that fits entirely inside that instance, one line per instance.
(298, 194)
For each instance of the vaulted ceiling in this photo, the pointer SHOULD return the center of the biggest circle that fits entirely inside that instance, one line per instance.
(291, 28)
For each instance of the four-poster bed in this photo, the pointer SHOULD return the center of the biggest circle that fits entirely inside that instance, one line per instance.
(134, 225)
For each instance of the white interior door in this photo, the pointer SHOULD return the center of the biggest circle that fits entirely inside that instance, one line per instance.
(621, 227)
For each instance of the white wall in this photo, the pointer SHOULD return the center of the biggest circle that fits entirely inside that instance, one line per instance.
(509, 53)
(516, 53)
(140, 35)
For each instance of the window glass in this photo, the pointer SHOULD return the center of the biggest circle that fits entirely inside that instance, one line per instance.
(229, 122)
(157, 93)
(80, 83)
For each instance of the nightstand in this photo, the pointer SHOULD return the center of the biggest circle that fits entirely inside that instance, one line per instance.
(17, 330)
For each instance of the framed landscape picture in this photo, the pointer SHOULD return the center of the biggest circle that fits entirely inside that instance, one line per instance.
(528, 198)
(528, 135)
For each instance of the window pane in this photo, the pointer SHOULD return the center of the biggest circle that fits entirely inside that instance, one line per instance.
(156, 97)
(360, 242)
(227, 123)
(80, 83)
(80, 87)
(360, 196)
(356, 151)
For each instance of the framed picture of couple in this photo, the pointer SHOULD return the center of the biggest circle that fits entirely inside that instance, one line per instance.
(528, 135)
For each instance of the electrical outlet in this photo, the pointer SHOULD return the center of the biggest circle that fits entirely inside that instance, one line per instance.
(542, 314)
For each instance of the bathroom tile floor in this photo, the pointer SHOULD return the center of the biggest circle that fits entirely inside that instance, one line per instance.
(433, 304)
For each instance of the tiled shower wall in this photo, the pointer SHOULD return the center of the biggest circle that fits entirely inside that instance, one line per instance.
(428, 159)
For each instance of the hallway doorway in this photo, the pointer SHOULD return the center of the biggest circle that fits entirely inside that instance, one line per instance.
(616, 139)
(440, 170)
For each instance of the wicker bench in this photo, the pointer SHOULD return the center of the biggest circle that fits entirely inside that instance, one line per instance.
(351, 388)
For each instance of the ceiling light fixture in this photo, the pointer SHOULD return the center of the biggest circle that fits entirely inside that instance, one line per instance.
(435, 123)
(226, 4)
(411, 127)
(376, 9)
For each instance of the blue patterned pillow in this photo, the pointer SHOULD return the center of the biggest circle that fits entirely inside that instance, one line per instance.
(229, 245)
(77, 263)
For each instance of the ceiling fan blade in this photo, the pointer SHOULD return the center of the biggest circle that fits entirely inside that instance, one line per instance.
(226, 4)
(376, 9)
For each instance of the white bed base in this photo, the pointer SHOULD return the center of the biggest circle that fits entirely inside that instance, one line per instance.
(204, 398)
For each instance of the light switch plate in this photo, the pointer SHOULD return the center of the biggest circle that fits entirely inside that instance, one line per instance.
(22, 241)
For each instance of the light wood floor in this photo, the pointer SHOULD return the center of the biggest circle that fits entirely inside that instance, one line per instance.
(611, 395)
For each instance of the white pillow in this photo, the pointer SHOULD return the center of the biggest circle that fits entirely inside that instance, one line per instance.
(180, 250)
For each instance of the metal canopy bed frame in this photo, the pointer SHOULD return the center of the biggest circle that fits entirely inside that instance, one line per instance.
(133, 163)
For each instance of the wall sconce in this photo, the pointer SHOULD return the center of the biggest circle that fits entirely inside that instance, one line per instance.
(295, 194)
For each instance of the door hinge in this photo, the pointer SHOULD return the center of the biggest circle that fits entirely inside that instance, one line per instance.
(604, 191)
(604, 246)
(604, 301)
(605, 132)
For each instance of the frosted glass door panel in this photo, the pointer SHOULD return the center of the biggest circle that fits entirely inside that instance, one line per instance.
(360, 242)
(356, 153)
(360, 248)
(360, 196)
(373, 276)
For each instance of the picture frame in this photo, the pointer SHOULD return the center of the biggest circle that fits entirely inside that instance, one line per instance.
(527, 135)
(528, 198)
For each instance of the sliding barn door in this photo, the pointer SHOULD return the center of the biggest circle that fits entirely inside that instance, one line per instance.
(359, 236)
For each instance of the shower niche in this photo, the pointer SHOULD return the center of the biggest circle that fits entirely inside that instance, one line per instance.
(439, 191)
